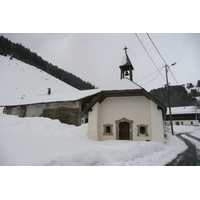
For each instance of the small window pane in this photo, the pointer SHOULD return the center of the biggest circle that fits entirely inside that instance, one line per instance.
(142, 130)
(107, 129)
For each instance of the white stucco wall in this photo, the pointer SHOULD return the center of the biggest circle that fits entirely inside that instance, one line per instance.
(137, 108)
(113, 108)
(93, 125)
(156, 123)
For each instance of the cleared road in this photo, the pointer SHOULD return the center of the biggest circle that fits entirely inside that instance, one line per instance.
(189, 157)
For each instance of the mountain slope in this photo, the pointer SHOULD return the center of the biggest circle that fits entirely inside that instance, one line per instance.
(19, 81)
(18, 51)
(178, 96)
(193, 89)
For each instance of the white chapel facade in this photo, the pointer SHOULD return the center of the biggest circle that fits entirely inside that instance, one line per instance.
(125, 111)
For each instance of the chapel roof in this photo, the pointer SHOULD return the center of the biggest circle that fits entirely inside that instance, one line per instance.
(124, 87)
(123, 84)
(126, 62)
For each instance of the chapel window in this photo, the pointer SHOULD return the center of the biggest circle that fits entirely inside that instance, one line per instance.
(107, 129)
(142, 130)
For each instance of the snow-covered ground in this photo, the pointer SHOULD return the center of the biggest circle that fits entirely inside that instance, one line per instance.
(42, 141)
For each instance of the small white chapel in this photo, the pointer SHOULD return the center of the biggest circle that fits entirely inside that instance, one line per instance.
(125, 111)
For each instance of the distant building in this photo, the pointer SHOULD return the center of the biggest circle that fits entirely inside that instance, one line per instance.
(187, 115)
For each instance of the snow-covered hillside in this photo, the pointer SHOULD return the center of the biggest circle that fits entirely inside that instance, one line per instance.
(192, 86)
(20, 81)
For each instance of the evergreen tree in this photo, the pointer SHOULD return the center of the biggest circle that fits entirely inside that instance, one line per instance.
(178, 96)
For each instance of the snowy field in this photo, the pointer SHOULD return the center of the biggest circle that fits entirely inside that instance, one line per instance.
(42, 141)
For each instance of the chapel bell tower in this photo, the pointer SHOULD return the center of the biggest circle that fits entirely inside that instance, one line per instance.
(126, 67)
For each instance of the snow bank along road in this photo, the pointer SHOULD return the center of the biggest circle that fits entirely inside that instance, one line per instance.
(191, 156)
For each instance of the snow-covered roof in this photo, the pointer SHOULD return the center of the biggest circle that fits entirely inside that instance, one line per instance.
(123, 84)
(126, 61)
(68, 96)
(124, 87)
(183, 110)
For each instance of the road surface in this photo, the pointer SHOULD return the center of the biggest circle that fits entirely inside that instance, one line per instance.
(190, 157)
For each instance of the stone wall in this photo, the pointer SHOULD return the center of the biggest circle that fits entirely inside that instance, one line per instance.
(68, 112)
(65, 115)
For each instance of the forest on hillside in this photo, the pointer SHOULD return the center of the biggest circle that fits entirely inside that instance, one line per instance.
(18, 51)
(178, 96)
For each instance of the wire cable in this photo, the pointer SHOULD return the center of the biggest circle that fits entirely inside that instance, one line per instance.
(162, 57)
(152, 79)
(149, 55)
(173, 76)
(150, 75)
(156, 49)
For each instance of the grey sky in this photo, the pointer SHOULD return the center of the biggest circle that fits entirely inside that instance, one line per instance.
(96, 57)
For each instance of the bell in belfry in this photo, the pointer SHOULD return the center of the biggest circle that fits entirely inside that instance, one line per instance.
(126, 73)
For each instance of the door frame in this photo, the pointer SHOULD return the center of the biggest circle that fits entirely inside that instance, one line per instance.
(130, 127)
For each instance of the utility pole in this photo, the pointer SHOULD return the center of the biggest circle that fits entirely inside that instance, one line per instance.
(168, 94)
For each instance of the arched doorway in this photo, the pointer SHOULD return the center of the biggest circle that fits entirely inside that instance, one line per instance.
(124, 131)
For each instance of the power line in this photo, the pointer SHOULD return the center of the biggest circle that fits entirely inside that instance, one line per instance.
(156, 48)
(150, 81)
(154, 78)
(149, 55)
(149, 75)
(173, 76)
(162, 57)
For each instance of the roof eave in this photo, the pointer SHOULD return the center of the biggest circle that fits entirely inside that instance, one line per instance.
(137, 92)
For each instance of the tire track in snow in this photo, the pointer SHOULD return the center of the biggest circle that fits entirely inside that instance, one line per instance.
(186, 158)
(193, 137)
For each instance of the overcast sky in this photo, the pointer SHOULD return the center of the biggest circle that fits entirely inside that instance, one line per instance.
(96, 57)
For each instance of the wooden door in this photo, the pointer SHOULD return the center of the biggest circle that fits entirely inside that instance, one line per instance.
(124, 131)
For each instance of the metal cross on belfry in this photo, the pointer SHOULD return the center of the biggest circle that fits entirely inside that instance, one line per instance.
(125, 48)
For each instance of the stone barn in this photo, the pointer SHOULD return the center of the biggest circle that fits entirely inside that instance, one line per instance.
(67, 108)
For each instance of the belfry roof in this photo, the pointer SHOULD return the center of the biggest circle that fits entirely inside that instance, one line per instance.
(126, 63)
